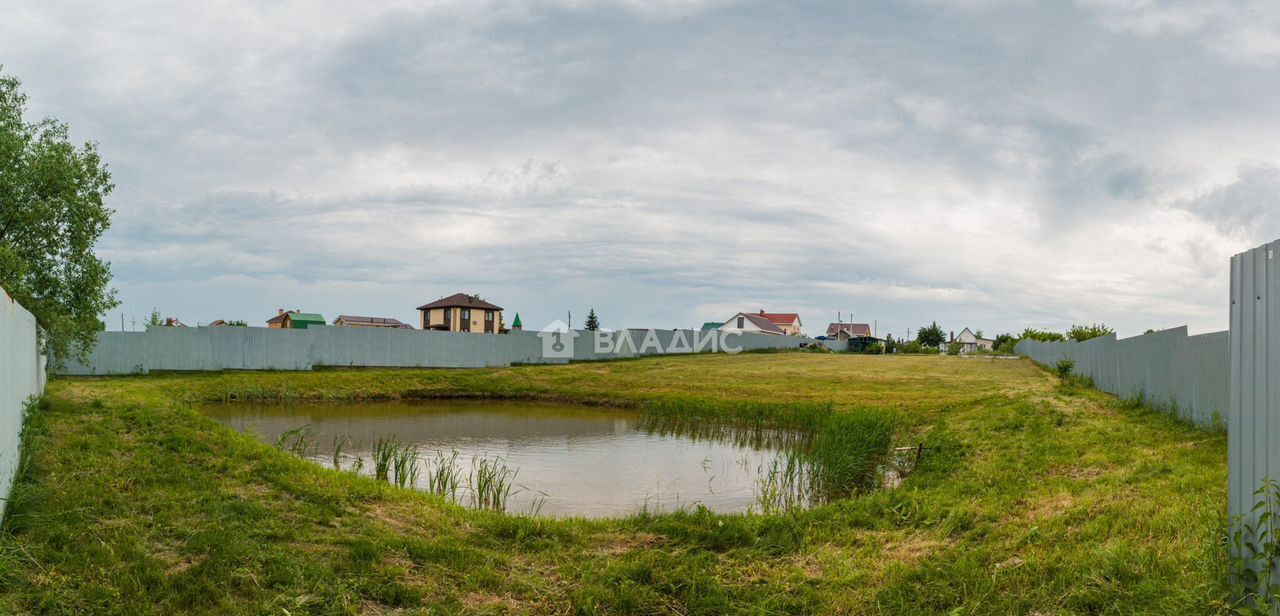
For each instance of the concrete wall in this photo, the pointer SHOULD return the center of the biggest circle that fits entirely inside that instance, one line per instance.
(22, 376)
(259, 348)
(1169, 368)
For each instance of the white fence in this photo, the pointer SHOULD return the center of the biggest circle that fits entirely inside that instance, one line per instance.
(1189, 375)
(21, 378)
(257, 348)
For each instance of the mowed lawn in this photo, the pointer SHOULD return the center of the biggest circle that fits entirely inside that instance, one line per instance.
(1037, 498)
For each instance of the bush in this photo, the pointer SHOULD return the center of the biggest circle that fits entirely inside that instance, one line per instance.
(953, 348)
(1064, 368)
(874, 349)
(910, 346)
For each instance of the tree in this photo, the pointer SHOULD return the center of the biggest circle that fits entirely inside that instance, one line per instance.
(978, 333)
(1042, 335)
(931, 336)
(51, 215)
(592, 322)
(235, 323)
(1005, 343)
(155, 320)
(1080, 333)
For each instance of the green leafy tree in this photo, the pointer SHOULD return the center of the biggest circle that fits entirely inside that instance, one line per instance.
(52, 212)
(953, 348)
(155, 320)
(1005, 343)
(592, 323)
(1080, 333)
(1042, 335)
(931, 336)
(236, 323)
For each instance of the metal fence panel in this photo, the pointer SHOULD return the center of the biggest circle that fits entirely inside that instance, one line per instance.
(1185, 374)
(22, 376)
(258, 348)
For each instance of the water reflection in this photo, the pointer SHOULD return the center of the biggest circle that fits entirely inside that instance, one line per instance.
(562, 459)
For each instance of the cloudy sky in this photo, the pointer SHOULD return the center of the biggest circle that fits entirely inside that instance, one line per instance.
(992, 164)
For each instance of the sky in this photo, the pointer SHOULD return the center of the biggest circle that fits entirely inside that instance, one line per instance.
(985, 164)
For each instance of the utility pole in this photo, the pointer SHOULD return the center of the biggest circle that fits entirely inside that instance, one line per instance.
(570, 323)
(121, 321)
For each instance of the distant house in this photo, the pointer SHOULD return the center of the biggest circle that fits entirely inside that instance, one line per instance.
(970, 342)
(218, 323)
(173, 323)
(461, 313)
(788, 322)
(295, 319)
(710, 325)
(845, 331)
(749, 322)
(347, 320)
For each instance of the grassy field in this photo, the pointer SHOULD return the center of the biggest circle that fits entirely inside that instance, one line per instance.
(1039, 499)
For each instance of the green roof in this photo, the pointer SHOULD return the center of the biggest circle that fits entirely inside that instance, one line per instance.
(710, 325)
(303, 320)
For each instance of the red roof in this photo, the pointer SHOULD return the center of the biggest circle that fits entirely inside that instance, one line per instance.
(781, 318)
(460, 300)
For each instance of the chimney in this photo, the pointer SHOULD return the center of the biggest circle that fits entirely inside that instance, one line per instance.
(281, 311)
(762, 312)
(953, 336)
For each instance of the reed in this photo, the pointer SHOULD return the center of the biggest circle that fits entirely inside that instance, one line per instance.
(384, 453)
(444, 475)
(404, 459)
(299, 441)
(491, 483)
(339, 443)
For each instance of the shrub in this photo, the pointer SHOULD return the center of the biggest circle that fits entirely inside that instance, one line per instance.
(1080, 333)
(953, 348)
(1064, 368)
(874, 349)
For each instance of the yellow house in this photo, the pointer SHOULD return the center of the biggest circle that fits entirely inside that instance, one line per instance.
(461, 313)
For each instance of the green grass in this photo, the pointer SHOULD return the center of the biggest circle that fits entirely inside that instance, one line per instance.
(1032, 498)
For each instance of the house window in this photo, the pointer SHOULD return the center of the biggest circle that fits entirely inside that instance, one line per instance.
(488, 315)
(426, 318)
(465, 319)
(741, 322)
(448, 318)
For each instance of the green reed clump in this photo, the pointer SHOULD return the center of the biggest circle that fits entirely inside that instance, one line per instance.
(491, 483)
(848, 451)
(444, 475)
(405, 461)
(384, 454)
(299, 441)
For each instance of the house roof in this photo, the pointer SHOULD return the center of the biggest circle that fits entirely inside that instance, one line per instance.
(853, 329)
(279, 318)
(710, 325)
(460, 300)
(760, 322)
(781, 318)
(308, 317)
(373, 321)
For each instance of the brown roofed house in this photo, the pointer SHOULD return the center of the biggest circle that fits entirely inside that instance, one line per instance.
(347, 320)
(462, 313)
(845, 331)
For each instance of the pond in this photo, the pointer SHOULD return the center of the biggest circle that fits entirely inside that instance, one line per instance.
(524, 457)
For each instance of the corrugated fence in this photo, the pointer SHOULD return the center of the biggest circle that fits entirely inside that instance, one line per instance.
(1190, 375)
(258, 348)
(21, 377)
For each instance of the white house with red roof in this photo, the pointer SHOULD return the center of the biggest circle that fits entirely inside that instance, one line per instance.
(749, 322)
(776, 323)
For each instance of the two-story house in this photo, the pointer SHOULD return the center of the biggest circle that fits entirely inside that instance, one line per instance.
(461, 313)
